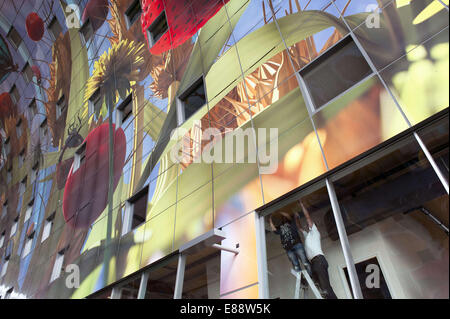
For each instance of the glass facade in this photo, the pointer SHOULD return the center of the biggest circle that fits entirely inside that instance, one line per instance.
(224, 149)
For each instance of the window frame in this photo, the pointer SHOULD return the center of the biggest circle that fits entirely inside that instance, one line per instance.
(43, 128)
(124, 110)
(129, 210)
(48, 225)
(19, 128)
(180, 100)
(32, 107)
(23, 186)
(7, 145)
(2, 238)
(79, 157)
(150, 37)
(130, 21)
(27, 72)
(14, 93)
(320, 60)
(14, 226)
(28, 244)
(58, 265)
(93, 100)
(29, 210)
(51, 31)
(12, 32)
(61, 106)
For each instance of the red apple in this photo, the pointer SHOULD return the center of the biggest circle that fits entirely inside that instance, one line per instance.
(86, 189)
(35, 26)
(184, 19)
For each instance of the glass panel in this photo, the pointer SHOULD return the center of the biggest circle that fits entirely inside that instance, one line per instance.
(400, 27)
(420, 80)
(161, 279)
(357, 121)
(202, 275)
(130, 290)
(335, 71)
(303, 243)
(394, 208)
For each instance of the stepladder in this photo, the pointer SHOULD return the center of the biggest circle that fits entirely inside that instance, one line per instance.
(301, 288)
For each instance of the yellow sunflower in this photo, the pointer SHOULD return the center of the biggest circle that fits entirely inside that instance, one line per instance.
(115, 71)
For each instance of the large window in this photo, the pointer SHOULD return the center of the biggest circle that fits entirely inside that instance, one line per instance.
(48, 227)
(133, 13)
(191, 100)
(157, 29)
(334, 72)
(396, 209)
(135, 211)
(304, 255)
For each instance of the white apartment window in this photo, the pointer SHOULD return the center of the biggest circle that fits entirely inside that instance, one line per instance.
(60, 106)
(80, 156)
(4, 268)
(7, 146)
(14, 227)
(34, 171)
(2, 238)
(23, 186)
(133, 13)
(19, 128)
(86, 31)
(5, 209)
(29, 210)
(14, 37)
(14, 93)
(135, 211)
(28, 245)
(157, 29)
(47, 227)
(32, 108)
(334, 72)
(54, 28)
(21, 157)
(9, 175)
(124, 110)
(57, 267)
(191, 100)
(27, 72)
(43, 128)
(95, 102)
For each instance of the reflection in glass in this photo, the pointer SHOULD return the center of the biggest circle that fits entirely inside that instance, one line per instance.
(202, 275)
(335, 71)
(303, 250)
(395, 208)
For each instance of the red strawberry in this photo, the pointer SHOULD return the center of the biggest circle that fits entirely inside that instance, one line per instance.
(86, 190)
(35, 26)
(184, 18)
